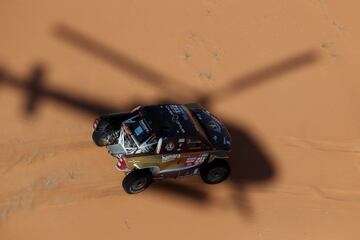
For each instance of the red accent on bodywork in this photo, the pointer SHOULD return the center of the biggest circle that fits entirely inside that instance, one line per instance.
(121, 164)
(96, 122)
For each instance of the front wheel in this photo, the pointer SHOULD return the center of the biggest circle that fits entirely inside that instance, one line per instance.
(215, 172)
(137, 181)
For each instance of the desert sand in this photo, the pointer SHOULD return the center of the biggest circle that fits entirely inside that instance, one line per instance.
(282, 75)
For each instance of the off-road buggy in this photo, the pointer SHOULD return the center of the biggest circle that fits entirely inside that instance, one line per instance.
(165, 141)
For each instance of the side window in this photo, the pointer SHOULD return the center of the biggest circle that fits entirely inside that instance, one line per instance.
(195, 144)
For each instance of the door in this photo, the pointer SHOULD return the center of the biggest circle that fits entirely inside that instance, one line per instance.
(181, 157)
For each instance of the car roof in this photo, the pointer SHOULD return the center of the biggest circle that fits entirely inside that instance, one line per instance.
(169, 120)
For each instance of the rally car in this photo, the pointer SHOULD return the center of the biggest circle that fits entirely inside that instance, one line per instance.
(165, 141)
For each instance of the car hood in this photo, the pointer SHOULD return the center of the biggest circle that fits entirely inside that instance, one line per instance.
(216, 131)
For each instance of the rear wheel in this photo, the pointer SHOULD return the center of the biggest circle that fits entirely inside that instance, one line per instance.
(215, 172)
(137, 181)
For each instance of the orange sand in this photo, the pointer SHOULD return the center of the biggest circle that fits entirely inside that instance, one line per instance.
(283, 76)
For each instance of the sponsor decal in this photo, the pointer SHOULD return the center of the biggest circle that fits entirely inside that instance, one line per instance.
(180, 127)
(215, 126)
(175, 111)
(168, 158)
(196, 160)
(179, 110)
(138, 130)
(134, 161)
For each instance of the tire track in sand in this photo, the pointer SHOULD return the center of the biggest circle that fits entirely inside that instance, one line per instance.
(351, 146)
(30, 152)
(57, 190)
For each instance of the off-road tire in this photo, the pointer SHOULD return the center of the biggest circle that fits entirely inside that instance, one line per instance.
(137, 181)
(215, 171)
(102, 133)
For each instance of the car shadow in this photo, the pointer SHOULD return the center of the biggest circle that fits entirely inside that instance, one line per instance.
(182, 190)
(250, 164)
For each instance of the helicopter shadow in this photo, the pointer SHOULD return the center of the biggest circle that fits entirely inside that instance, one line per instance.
(250, 163)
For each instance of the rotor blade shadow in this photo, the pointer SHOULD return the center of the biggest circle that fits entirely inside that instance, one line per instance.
(33, 85)
(262, 76)
(122, 61)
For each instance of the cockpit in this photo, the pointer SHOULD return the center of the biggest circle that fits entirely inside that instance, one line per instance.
(134, 137)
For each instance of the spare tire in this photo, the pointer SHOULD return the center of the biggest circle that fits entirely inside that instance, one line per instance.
(102, 133)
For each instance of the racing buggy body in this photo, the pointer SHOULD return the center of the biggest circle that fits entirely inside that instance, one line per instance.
(165, 141)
